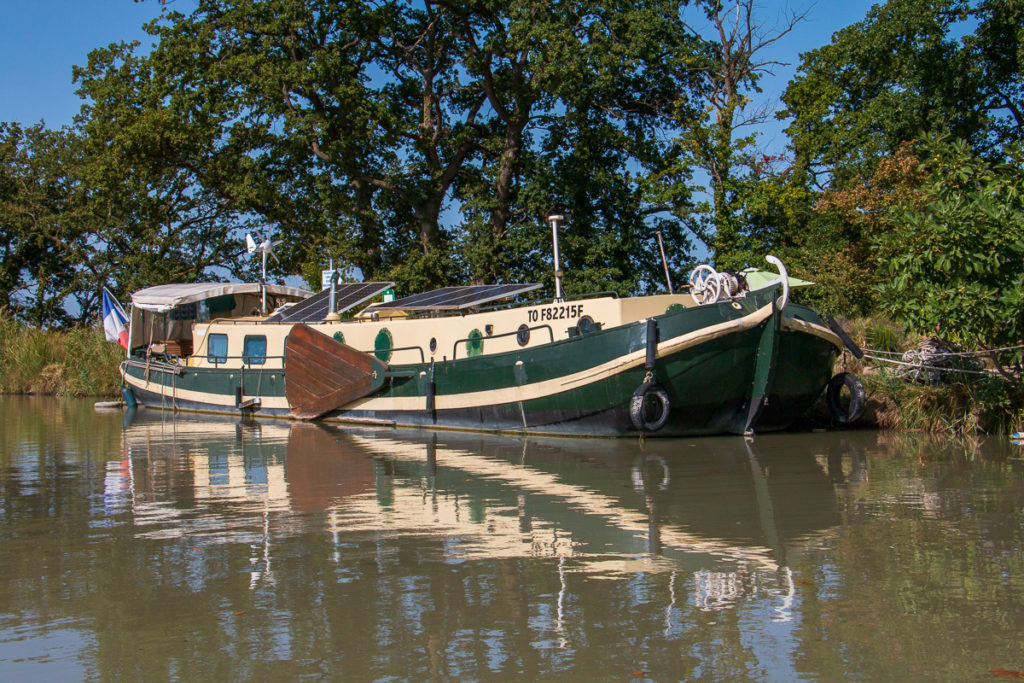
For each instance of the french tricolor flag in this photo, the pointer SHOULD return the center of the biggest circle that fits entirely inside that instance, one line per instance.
(114, 320)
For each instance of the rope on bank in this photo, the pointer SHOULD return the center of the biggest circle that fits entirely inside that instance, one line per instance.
(869, 353)
(962, 354)
(934, 357)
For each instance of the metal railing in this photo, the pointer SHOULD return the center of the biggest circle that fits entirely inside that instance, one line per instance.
(423, 358)
(466, 340)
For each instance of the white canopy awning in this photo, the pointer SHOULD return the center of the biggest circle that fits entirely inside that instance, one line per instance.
(165, 297)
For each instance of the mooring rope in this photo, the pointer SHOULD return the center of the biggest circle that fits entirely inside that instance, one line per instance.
(921, 366)
(963, 354)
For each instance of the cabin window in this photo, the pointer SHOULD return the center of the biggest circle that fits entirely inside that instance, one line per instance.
(217, 348)
(254, 349)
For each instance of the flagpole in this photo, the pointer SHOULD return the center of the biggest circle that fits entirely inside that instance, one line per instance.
(128, 351)
(111, 308)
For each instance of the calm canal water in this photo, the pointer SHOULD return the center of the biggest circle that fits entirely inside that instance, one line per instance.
(194, 549)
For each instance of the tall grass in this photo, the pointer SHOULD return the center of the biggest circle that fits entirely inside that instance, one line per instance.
(985, 406)
(75, 362)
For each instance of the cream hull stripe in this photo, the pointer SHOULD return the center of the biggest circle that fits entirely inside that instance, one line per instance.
(557, 385)
(794, 325)
(527, 392)
(223, 400)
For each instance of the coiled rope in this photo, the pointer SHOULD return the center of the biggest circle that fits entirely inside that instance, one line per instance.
(927, 359)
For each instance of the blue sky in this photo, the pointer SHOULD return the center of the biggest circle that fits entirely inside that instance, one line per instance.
(40, 40)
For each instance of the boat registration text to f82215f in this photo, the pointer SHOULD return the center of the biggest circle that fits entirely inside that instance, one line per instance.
(563, 312)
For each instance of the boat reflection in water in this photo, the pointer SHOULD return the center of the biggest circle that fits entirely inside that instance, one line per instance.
(716, 509)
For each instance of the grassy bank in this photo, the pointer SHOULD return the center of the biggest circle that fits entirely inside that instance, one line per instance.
(76, 362)
(961, 405)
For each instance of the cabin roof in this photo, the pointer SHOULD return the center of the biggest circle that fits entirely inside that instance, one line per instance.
(165, 297)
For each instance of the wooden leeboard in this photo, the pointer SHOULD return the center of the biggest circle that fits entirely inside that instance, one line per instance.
(321, 374)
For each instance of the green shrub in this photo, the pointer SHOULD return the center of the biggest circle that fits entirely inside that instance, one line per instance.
(883, 335)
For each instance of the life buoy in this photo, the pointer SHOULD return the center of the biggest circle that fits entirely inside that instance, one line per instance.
(649, 407)
(848, 413)
(643, 474)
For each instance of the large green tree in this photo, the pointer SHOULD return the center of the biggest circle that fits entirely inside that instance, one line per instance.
(43, 243)
(581, 93)
(911, 70)
(360, 130)
(153, 179)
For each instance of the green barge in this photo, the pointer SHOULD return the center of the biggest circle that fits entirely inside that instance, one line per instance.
(661, 365)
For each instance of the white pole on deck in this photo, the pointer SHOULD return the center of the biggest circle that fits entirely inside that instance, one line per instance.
(555, 219)
(263, 284)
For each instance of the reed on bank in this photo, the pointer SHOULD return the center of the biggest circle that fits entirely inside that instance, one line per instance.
(73, 362)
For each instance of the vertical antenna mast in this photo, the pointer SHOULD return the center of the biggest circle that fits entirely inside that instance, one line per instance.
(263, 284)
(265, 247)
(664, 262)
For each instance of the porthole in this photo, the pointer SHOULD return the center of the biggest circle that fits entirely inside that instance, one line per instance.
(382, 345)
(433, 344)
(475, 344)
(586, 325)
(338, 336)
(523, 334)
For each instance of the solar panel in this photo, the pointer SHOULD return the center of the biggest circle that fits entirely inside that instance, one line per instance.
(455, 298)
(314, 309)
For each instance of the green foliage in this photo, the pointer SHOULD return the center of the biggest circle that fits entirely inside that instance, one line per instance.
(44, 223)
(356, 128)
(953, 260)
(911, 70)
(883, 335)
(121, 200)
(912, 65)
(427, 143)
(154, 177)
(353, 131)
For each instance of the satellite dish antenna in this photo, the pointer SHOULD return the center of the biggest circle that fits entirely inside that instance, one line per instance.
(265, 247)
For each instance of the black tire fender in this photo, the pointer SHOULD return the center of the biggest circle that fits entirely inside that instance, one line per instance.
(644, 393)
(850, 413)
